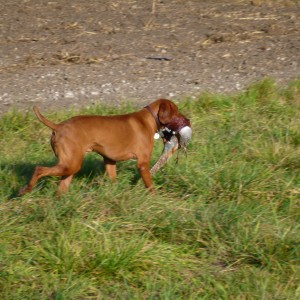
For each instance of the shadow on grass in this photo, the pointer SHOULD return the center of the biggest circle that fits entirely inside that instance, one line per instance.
(92, 167)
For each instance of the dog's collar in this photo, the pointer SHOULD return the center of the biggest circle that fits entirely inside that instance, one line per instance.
(154, 116)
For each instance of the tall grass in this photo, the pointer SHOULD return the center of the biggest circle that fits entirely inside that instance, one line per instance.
(223, 224)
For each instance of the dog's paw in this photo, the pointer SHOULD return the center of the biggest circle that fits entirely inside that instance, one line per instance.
(24, 190)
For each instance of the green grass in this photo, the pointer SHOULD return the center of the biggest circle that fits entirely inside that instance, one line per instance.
(224, 223)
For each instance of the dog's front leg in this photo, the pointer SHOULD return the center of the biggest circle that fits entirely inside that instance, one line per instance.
(144, 169)
(110, 168)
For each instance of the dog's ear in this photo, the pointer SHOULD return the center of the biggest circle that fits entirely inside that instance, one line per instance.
(166, 112)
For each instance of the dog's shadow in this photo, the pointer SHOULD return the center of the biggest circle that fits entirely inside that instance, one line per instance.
(92, 167)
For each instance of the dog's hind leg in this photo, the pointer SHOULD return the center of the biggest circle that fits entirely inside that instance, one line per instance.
(58, 170)
(70, 160)
(64, 184)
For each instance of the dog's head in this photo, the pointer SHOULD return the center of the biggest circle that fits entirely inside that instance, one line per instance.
(174, 128)
(173, 122)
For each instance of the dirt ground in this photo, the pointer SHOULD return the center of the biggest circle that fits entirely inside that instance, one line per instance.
(71, 53)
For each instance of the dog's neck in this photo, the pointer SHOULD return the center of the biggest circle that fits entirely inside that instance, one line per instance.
(154, 116)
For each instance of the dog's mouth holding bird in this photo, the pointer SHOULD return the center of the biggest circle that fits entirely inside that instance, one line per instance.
(176, 135)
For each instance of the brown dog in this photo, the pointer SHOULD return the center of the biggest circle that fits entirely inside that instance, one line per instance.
(116, 138)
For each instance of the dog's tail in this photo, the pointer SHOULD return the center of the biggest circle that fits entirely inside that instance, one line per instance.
(44, 120)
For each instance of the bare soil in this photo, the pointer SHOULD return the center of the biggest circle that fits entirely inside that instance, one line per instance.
(75, 53)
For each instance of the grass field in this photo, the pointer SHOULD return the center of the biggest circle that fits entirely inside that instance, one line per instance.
(224, 223)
